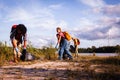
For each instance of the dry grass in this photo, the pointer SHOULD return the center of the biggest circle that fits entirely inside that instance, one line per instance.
(47, 67)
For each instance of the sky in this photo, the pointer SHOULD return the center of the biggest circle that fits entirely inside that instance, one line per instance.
(94, 22)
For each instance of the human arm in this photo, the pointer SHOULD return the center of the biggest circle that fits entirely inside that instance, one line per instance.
(25, 41)
(58, 40)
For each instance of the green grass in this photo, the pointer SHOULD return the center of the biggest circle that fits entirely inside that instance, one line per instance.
(44, 54)
(109, 60)
(110, 65)
(6, 53)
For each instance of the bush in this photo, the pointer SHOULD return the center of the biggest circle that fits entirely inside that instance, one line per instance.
(5, 53)
(45, 53)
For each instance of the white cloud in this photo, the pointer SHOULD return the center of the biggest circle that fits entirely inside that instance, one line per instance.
(55, 6)
(63, 24)
(40, 40)
(107, 16)
(113, 10)
(107, 20)
(40, 22)
(100, 7)
(114, 32)
(84, 25)
(93, 3)
(18, 14)
(38, 17)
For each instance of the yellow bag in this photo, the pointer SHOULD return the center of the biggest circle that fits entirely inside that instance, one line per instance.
(67, 36)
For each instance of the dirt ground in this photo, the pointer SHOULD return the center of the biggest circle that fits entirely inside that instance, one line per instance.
(57, 70)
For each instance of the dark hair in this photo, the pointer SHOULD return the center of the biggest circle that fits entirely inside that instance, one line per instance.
(22, 28)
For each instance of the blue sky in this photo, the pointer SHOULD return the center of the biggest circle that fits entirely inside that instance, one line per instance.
(92, 21)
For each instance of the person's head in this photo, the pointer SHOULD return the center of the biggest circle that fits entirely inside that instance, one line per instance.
(21, 29)
(58, 29)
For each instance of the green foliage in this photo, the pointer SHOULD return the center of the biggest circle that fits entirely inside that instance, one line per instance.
(5, 53)
(104, 49)
(46, 53)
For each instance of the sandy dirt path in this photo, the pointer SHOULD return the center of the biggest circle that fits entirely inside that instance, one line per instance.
(41, 70)
(50, 70)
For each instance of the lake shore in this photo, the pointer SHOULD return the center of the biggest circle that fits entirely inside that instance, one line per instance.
(99, 54)
(81, 68)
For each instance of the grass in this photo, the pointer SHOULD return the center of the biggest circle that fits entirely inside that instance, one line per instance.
(110, 66)
(6, 53)
(44, 54)
(110, 60)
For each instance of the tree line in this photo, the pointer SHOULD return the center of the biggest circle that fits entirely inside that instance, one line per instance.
(104, 49)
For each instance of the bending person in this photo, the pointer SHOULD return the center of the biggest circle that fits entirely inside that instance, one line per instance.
(17, 36)
(64, 44)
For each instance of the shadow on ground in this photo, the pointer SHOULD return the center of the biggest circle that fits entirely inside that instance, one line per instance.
(109, 60)
(54, 74)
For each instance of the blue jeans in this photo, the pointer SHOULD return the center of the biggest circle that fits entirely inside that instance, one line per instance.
(64, 46)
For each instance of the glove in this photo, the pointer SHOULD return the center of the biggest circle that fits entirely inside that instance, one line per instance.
(16, 49)
(18, 52)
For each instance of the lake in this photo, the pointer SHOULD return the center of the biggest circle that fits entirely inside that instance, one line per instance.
(100, 54)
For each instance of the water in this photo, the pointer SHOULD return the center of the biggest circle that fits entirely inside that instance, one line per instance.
(99, 54)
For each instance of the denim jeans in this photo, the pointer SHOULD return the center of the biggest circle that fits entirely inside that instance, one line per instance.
(64, 46)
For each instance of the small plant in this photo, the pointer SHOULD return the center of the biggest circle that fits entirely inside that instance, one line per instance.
(5, 53)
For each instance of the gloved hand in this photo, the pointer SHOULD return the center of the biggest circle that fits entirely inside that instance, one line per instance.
(24, 50)
(18, 52)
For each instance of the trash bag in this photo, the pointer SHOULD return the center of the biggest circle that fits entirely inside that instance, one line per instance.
(29, 57)
(26, 56)
(23, 56)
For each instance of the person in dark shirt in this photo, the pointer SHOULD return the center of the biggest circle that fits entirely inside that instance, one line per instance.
(18, 35)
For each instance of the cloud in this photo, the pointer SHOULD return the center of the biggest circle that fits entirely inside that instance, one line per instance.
(99, 20)
(17, 14)
(40, 40)
(39, 20)
(99, 29)
(63, 24)
(113, 10)
(40, 17)
(55, 6)
(99, 6)
(93, 3)
(104, 24)
(112, 31)
(107, 20)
